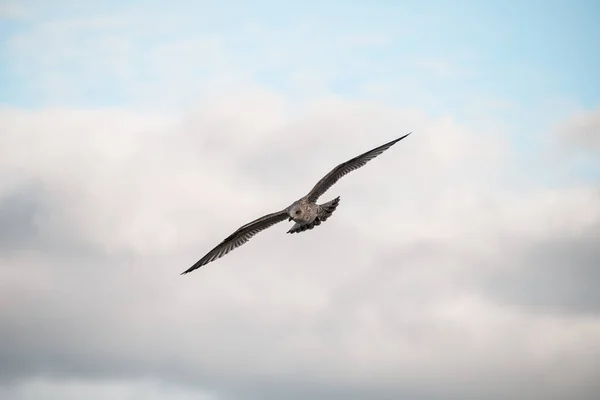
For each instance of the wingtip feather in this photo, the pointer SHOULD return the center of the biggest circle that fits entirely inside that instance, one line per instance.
(402, 137)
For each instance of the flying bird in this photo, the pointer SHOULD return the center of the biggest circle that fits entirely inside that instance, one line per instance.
(305, 212)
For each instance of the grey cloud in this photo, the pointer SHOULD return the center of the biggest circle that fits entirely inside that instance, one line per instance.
(18, 210)
(32, 220)
(390, 298)
(556, 275)
(583, 130)
(99, 390)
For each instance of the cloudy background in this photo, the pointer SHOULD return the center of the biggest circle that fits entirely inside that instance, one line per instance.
(463, 263)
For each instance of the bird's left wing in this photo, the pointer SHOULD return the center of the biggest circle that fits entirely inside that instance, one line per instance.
(239, 237)
(344, 168)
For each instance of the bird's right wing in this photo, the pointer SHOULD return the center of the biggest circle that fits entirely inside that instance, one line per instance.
(239, 237)
(346, 167)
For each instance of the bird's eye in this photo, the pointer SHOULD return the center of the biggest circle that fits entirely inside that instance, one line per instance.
(297, 212)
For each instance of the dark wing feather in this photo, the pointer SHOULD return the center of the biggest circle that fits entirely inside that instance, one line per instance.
(240, 237)
(346, 167)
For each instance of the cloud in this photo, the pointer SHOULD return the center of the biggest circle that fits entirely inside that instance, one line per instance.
(12, 11)
(17, 217)
(583, 130)
(91, 390)
(439, 275)
(558, 275)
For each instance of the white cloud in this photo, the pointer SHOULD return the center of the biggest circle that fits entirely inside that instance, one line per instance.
(389, 297)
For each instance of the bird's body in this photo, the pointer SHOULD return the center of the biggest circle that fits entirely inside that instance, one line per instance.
(305, 212)
(307, 215)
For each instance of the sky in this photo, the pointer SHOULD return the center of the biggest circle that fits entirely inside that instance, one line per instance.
(462, 263)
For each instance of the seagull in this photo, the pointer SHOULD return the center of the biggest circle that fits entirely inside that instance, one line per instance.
(305, 212)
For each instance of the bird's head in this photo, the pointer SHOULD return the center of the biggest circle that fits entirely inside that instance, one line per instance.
(295, 212)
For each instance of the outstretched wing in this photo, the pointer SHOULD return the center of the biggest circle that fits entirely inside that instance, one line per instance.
(346, 167)
(240, 237)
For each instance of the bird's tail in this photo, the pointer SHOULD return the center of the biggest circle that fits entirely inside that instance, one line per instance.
(326, 209)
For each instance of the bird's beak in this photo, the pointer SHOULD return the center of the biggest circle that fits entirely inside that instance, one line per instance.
(290, 218)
